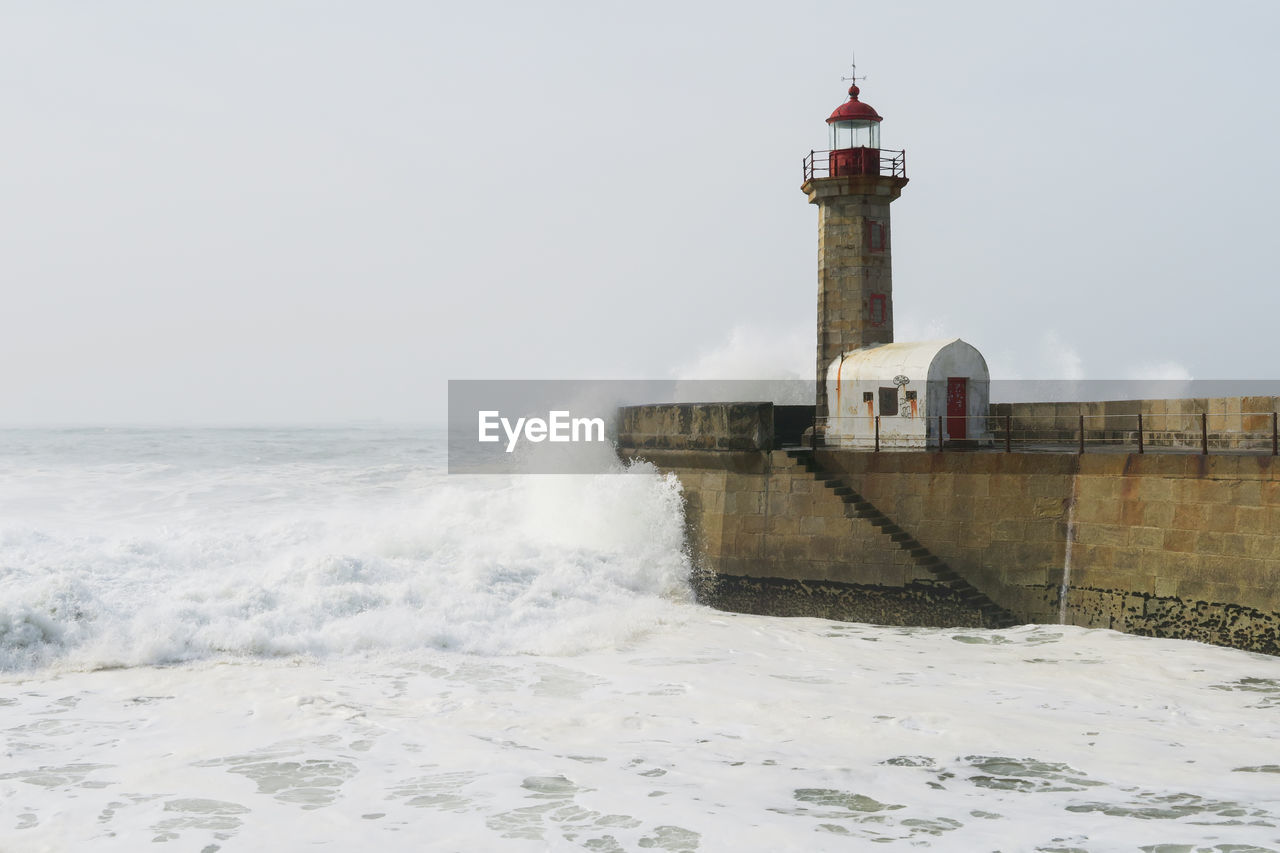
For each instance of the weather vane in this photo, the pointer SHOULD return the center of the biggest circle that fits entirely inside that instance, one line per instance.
(853, 74)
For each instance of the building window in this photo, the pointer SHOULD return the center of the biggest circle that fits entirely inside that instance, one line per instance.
(877, 236)
(888, 402)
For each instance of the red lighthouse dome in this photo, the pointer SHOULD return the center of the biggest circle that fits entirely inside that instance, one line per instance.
(854, 124)
(854, 110)
(854, 137)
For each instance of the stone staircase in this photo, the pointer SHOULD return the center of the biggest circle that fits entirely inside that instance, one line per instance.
(856, 506)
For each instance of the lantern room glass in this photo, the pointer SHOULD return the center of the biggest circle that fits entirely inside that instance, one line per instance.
(859, 133)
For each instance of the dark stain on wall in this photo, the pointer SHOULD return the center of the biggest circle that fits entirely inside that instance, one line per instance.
(1147, 615)
(921, 604)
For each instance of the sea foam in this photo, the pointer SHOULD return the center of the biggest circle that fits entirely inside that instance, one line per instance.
(161, 561)
(368, 653)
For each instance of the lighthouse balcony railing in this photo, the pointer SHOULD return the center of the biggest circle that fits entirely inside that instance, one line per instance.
(885, 161)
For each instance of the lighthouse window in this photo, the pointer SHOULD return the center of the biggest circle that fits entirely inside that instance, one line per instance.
(877, 304)
(888, 401)
(877, 236)
(841, 135)
(855, 134)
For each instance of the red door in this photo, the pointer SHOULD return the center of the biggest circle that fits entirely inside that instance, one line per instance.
(957, 406)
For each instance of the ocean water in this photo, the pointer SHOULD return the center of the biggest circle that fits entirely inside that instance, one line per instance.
(301, 639)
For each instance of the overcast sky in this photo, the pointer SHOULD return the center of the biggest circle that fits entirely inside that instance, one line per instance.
(317, 212)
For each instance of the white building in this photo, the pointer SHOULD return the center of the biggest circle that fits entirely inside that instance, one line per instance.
(911, 393)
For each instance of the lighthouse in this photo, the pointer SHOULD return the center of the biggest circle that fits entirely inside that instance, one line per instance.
(874, 392)
(853, 183)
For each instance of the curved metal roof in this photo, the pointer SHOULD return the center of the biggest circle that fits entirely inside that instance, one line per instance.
(854, 110)
(912, 359)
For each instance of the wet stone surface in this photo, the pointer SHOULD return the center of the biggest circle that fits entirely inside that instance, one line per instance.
(918, 604)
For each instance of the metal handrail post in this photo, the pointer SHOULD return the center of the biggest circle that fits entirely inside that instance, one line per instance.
(877, 433)
(1008, 433)
(1204, 433)
(1139, 432)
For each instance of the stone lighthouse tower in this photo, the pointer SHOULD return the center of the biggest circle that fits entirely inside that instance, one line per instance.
(853, 184)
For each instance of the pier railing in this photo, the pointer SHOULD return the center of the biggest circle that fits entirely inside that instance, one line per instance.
(1253, 433)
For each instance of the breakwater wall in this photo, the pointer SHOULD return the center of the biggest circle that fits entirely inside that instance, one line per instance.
(1218, 423)
(1168, 545)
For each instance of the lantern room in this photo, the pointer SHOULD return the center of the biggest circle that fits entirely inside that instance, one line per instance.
(854, 138)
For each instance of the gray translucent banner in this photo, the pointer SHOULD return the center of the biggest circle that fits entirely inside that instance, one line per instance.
(587, 426)
(571, 426)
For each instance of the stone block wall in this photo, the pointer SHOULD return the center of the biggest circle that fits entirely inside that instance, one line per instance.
(762, 515)
(1233, 423)
(1171, 545)
(1166, 545)
(770, 538)
(697, 426)
(998, 519)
